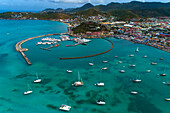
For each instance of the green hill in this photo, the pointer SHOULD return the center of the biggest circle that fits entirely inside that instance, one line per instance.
(124, 14)
(134, 5)
(90, 12)
(152, 12)
(84, 7)
(89, 26)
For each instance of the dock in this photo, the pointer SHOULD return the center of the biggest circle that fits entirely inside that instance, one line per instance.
(21, 50)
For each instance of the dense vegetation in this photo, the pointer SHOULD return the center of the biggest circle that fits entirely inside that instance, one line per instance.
(89, 27)
(90, 12)
(123, 11)
(124, 14)
(34, 15)
(131, 10)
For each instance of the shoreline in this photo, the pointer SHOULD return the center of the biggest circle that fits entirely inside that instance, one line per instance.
(68, 25)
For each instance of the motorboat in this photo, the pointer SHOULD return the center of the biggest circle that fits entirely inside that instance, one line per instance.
(166, 83)
(132, 65)
(163, 74)
(64, 37)
(148, 71)
(137, 50)
(116, 56)
(85, 40)
(38, 80)
(79, 82)
(122, 71)
(167, 99)
(131, 55)
(145, 56)
(137, 80)
(105, 68)
(29, 91)
(105, 61)
(100, 102)
(120, 62)
(65, 107)
(99, 84)
(153, 63)
(91, 64)
(161, 58)
(134, 92)
(69, 71)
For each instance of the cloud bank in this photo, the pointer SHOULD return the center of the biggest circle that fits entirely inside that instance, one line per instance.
(78, 1)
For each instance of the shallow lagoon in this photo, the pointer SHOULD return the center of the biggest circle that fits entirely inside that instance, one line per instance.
(56, 88)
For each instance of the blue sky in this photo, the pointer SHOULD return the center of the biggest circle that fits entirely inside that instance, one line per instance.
(38, 5)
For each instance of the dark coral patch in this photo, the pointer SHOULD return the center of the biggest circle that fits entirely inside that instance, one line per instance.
(146, 107)
(51, 106)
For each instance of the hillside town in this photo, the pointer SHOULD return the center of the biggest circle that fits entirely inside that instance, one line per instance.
(152, 31)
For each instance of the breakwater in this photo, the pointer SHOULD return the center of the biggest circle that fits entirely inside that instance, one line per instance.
(21, 50)
(66, 58)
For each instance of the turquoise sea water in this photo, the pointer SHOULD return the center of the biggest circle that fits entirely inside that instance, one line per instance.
(56, 88)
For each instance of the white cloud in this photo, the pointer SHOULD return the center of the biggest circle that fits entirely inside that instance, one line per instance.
(71, 1)
(78, 1)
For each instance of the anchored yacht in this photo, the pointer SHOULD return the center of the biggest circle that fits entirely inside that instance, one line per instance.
(99, 84)
(105, 61)
(100, 102)
(153, 63)
(38, 80)
(91, 64)
(105, 68)
(144, 56)
(148, 71)
(134, 92)
(69, 71)
(137, 50)
(122, 71)
(137, 80)
(131, 55)
(65, 107)
(29, 91)
(79, 82)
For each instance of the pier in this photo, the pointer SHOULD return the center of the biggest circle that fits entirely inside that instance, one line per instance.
(21, 50)
(91, 55)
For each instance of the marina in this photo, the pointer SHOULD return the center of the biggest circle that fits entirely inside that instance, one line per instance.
(56, 84)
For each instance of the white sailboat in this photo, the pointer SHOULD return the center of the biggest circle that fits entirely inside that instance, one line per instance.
(134, 92)
(69, 71)
(136, 80)
(137, 50)
(131, 55)
(37, 80)
(163, 74)
(91, 64)
(104, 68)
(29, 91)
(105, 61)
(167, 99)
(153, 63)
(99, 84)
(122, 71)
(79, 82)
(65, 107)
(132, 65)
(101, 101)
(148, 71)
(145, 56)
